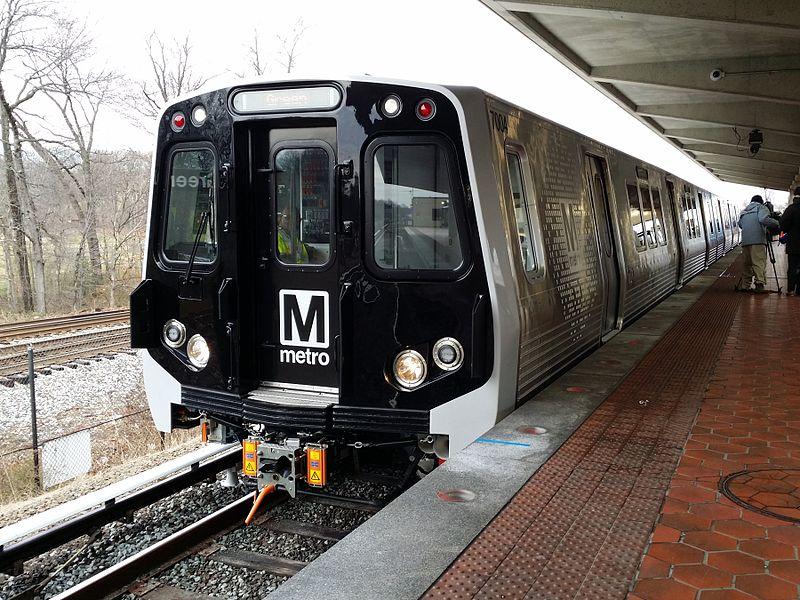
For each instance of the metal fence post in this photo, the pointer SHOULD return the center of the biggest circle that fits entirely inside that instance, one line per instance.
(37, 480)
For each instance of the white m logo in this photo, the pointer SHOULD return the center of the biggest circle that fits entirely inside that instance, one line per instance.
(304, 318)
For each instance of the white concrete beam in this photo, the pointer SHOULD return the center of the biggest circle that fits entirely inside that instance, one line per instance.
(725, 136)
(722, 172)
(737, 15)
(759, 183)
(763, 115)
(744, 160)
(773, 82)
(743, 152)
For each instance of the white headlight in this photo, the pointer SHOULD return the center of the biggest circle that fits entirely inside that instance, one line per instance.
(448, 354)
(174, 333)
(197, 351)
(199, 115)
(410, 369)
(391, 106)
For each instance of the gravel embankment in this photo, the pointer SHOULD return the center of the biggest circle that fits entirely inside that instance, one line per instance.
(72, 398)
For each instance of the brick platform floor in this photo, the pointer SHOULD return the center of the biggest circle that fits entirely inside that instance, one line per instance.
(706, 546)
(624, 483)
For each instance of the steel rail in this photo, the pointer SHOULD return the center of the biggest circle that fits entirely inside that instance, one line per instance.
(154, 557)
(55, 324)
(14, 554)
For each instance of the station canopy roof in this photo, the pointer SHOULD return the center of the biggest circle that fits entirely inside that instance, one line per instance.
(703, 73)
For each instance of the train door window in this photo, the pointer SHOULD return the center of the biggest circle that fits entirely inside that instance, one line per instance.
(649, 216)
(521, 212)
(302, 205)
(637, 223)
(658, 217)
(191, 213)
(415, 221)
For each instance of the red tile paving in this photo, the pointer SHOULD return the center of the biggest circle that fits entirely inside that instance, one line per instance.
(750, 423)
(629, 481)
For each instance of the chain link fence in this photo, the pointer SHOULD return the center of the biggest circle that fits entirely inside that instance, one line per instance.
(74, 418)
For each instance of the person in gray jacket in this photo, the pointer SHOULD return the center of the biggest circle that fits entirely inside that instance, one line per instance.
(753, 221)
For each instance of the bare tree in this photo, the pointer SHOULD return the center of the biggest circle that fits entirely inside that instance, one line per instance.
(20, 24)
(78, 94)
(256, 63)
(172, 74)
(288, 52)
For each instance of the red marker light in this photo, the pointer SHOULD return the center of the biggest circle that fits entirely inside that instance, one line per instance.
(178, 121)
(426, 109)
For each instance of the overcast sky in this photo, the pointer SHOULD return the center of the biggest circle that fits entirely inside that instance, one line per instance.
(441, 41)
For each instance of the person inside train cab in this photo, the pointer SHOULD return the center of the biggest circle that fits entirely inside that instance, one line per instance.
(753, 221)
(290, 248)
(790, 225)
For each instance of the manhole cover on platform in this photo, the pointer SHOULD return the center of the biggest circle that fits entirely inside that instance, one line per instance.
(773, 492)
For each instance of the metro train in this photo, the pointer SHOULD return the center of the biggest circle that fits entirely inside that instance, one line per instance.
(348, 262)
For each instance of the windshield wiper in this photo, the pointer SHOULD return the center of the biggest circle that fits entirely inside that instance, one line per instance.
(203, 220)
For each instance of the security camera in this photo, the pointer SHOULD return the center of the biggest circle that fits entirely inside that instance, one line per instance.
(717, 74)
(755, 139)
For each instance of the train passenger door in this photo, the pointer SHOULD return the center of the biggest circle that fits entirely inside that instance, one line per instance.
(609, 261)
(678, 228)
(297, 298)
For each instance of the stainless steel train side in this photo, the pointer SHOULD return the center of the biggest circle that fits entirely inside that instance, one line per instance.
(595, 236)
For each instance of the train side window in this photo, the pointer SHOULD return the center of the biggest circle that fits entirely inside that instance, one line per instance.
(521, 212)
(698, 219)
(415, 221)
(191, 211)
(649, 216)
(637, 223)
(658, 217)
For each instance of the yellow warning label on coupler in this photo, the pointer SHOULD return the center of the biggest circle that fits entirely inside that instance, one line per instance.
(250, 458)
(316, 472)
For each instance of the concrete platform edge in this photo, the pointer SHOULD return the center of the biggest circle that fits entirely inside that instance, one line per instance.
(401, 551)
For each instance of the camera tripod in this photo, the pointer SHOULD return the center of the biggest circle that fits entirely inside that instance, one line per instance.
(771, 254)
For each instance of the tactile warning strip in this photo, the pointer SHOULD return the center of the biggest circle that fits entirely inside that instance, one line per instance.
(578, 527)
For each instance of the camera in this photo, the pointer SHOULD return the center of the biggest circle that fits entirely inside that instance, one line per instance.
(755, 139)
(716, 74)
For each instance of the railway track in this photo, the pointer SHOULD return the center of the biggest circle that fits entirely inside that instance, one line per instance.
(50, 325)
(140, 576)
(197, 550)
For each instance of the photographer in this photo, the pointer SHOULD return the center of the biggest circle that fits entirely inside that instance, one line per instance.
(790, 225)
(754, 221)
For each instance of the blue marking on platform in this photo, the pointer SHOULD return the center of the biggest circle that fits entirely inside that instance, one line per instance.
(493, 441)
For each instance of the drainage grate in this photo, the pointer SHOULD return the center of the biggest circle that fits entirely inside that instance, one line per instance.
(771, 492)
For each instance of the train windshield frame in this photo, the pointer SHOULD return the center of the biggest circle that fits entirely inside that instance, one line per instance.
(427, 255)
(190, 191)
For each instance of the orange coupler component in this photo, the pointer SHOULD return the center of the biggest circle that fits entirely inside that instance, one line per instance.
(268, 489)
(316, 466)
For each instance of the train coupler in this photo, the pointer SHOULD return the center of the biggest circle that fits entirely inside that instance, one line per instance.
(285, 464)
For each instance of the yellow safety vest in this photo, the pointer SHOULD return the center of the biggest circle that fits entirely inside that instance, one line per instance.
(286, 245)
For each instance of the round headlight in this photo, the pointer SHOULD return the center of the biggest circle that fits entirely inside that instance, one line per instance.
(174, 333)
(197, 351)
(410, 369)
(199, 115)
(448, 354)
(391, 106)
